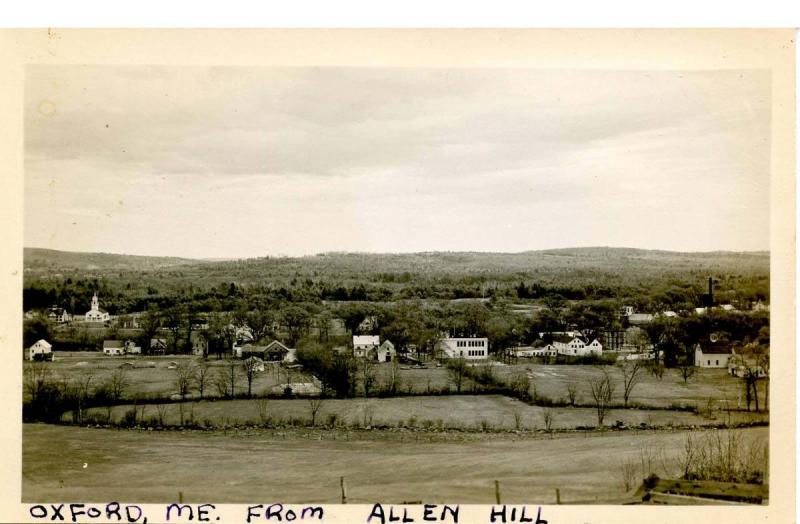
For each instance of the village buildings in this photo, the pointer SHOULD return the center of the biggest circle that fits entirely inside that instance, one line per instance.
(96, 313)
(575, 346)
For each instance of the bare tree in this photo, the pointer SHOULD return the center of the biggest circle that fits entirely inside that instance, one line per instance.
(202, 376)
(263, 412)
(225, 378)
(753, 363)
(367, 374)
(630, 377)
(602, 389)
(251, 366)
(84, 385)
(627, 469)
(686, 365)
(37, 379)
(220, 381)
(314, 405)
(517, 420)
(686, 369)
(520, 385)
(458, 369)
(117, 383)
(572, 393)
(548, 415)
(656, 369)
(395, 379)
(184, 377)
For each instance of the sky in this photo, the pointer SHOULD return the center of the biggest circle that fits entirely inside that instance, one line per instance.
(224, 162)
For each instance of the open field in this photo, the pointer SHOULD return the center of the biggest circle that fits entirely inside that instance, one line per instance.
(708, 387)
(466, 412)
(715, 384)
(94, 465)
(159, 380)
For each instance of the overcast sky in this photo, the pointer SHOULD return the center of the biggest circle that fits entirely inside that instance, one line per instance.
(245, 162)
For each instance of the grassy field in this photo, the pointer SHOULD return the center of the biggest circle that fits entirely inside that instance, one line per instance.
(465, 412)
(714, 384)
(158, 380)
(95, 465)
(708, 387)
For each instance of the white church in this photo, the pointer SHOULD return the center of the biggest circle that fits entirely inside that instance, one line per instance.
(96, 314)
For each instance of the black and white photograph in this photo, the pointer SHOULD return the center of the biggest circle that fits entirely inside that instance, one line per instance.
(406, 285)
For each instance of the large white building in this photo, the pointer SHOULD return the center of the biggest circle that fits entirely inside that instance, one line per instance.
(575, 346)
(467, 348)
(41, 350)
(96, 314)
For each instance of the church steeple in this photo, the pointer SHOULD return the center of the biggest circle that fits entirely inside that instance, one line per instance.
(95, 303)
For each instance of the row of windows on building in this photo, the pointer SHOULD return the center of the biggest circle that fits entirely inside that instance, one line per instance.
(470, 343)
(475, 353)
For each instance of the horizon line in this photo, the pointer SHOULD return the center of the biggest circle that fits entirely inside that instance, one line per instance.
(324, 253)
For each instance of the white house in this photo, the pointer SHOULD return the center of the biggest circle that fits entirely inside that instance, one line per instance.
(363, 344)
(131, 348)
(713, 355)
(385, 352)
(41, 350)
(113, 347)
(575, 346)
(59, 315)
(96, 314)
(468, 348)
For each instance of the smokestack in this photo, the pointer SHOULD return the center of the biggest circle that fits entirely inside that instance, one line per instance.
(710, 292)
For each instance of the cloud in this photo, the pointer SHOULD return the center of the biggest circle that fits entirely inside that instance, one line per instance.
(351, 153)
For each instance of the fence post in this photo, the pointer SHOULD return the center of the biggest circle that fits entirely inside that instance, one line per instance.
(497, 491)
(558, 496)
(344, 490)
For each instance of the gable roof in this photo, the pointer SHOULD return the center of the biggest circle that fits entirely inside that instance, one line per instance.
(158, 342)
(276, 345)
(366, 340)
(564, 339)
(715, 348)
(113, 344)
(43, 342)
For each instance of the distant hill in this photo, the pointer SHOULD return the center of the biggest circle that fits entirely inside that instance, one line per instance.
(603, 259)
(51, 259)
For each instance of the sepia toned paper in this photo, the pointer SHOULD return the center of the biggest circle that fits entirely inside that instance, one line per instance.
(477, 56)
